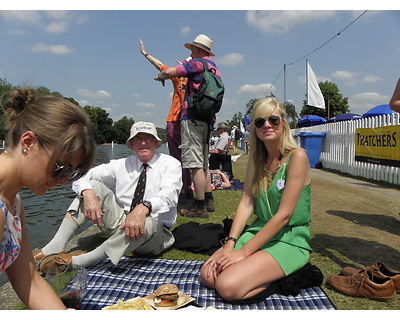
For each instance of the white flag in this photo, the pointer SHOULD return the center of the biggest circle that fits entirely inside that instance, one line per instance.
(314, 94)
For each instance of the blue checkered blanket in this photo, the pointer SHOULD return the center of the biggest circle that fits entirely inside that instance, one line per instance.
(134, 277)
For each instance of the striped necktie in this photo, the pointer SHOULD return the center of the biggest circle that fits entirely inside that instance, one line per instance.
(141, 185)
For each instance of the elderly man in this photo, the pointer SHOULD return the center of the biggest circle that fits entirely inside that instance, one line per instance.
(133, 219)
(219, 155)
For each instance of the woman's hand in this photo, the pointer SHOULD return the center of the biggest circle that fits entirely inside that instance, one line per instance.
(211, 264)
(228, 258)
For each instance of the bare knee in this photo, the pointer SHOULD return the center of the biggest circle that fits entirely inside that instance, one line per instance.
(229, 289)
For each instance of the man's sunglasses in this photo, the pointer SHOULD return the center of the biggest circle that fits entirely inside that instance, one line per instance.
(61, 171)
(273, 120)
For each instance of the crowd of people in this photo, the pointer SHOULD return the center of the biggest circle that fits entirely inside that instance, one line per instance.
(134, 200)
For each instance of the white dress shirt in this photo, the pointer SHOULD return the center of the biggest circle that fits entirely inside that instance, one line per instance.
(163, 183)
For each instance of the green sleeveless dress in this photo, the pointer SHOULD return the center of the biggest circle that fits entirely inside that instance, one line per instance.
(290, 246)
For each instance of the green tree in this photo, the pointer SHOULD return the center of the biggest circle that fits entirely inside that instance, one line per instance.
(122, 129)
(103, 130)
(334, 101)
(249, 105)
(291, 113)
(236, 120)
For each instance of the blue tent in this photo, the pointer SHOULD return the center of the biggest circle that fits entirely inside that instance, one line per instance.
(309, 121)
(345, 117)
(378, 111)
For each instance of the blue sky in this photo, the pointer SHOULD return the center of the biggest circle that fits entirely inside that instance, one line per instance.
(94, 57)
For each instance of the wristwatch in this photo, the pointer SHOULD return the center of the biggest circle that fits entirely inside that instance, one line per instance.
(230, 238)
(147, 204)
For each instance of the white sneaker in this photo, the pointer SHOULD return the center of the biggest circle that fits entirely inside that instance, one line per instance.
(234, 158)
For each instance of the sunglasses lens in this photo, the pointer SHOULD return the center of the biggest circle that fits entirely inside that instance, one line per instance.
(274, 120)
(259, 122)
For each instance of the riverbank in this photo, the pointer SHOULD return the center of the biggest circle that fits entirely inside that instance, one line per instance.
(354, 223)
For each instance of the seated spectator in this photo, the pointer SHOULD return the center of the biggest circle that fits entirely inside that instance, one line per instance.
(219, 155)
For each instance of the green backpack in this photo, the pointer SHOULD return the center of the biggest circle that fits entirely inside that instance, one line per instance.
(207, 100)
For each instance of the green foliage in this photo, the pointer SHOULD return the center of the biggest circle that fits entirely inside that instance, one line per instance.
(105, 130)
(334, 101)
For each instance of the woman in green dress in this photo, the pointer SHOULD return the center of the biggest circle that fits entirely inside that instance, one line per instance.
(277, 191)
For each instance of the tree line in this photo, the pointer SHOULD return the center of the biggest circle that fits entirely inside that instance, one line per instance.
(106, 130)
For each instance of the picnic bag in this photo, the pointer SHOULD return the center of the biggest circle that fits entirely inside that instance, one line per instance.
(207, 100)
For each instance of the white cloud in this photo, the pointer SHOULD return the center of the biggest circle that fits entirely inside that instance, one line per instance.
(369, 78)
(100, 94)
(354, 78)
(53, 48)
(258, 89)
(231, 59)
(362, 102)
(185, 30)
(57, 27)
(283, 21)
(136, 95)
(146, 105)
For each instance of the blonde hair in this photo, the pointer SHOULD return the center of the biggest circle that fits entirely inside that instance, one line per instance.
(256, 175)
(60, 124)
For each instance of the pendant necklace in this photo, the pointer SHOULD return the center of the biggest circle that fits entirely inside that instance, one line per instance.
(271, 175)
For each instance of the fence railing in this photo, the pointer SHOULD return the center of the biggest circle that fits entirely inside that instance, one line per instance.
(338, 148)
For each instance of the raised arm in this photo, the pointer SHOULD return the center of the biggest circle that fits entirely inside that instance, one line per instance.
(155, 62)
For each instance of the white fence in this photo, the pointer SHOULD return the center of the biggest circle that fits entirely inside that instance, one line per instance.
(338, 148)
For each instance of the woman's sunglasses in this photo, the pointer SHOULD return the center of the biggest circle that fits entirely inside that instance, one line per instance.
(61, 171)
(273, 120)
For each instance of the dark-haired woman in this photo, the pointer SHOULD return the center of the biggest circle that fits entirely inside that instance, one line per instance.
(49, 142)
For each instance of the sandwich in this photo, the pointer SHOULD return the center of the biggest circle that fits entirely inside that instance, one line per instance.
(166, 295)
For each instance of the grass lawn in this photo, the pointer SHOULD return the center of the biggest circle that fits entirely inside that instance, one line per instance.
(336, 242)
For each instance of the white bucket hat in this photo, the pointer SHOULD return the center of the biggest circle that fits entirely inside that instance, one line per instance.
(202, 42)
(144, 127)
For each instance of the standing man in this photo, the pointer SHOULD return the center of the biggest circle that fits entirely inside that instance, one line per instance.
(194, 132)
(173, 129)
(133, 219)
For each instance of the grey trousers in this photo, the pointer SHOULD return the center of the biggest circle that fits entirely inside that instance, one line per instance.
(156, 239)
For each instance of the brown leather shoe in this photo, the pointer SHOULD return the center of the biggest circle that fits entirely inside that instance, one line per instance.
(54, 260)
(364, 284)
(210, 205)
(380, 269)
(195, 211)
(39, 255)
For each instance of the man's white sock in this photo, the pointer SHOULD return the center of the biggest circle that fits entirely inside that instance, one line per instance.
(61, 238)
(90, 258)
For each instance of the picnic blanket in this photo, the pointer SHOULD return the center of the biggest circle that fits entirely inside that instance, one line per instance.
(134, 277)
(235, 185)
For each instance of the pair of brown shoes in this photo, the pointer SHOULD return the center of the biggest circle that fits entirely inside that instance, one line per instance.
(377, 282)
(56, 260)
(195, 211)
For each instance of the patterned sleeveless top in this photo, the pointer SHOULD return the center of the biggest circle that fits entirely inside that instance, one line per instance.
(10, 245)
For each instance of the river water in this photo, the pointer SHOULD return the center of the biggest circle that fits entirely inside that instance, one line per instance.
(45, 213)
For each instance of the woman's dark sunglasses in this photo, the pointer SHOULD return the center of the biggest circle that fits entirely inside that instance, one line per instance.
(61, 171)
(273, 120)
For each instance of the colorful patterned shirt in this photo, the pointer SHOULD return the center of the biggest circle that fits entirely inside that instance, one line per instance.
(10, 245)
(193, 70)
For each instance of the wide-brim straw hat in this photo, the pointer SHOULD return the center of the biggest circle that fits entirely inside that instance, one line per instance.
(144, 127)
(202, 42)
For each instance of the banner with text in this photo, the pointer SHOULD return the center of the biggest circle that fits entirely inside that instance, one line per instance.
(378, 145)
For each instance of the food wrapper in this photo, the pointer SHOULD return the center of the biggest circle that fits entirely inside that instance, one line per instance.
(183, 300)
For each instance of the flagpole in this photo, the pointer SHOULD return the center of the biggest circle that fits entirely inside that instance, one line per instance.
(284, 83)
(306, 82)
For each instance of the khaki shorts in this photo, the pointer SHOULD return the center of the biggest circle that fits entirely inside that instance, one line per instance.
(195, 144)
